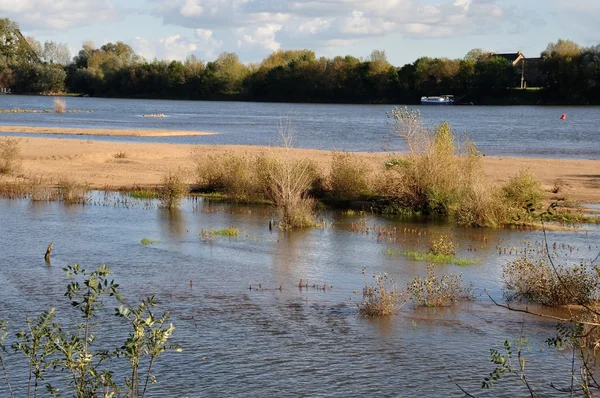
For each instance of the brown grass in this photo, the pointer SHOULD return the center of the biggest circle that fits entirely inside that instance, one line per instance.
(350, 176)
(73, 192)
(10, 156)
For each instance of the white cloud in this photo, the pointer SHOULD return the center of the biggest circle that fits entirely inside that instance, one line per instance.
(58, 15)
(178, 47)
(333, 19)
(263, 36)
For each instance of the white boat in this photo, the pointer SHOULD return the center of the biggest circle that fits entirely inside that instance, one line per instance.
(439, 100)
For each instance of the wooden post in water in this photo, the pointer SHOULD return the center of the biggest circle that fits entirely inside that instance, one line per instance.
(48, 252)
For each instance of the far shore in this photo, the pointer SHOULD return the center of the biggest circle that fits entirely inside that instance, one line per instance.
(113, 165)
(101, 132)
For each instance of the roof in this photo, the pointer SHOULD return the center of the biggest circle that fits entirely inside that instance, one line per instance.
(514, 58)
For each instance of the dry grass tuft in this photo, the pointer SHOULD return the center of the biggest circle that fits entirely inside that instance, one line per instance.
(229, 174)
(349, 177)
(10, 156)
(60, 105)
(41, 191)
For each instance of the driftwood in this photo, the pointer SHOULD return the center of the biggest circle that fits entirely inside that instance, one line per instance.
(48, 252)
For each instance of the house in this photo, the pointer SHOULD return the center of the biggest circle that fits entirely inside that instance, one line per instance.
(529, 69)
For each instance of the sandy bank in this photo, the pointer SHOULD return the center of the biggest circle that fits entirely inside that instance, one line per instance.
(96, 163)
(106, 132)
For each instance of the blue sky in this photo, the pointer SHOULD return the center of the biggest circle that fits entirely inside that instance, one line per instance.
(405, 29)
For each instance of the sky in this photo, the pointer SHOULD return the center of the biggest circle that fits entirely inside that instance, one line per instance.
(404, 29)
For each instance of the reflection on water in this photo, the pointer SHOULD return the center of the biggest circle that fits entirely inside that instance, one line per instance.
(278, 339)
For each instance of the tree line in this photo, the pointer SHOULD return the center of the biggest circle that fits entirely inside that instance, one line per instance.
(565, 73)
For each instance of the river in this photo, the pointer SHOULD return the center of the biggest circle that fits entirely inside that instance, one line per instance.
(521, 131)
(271, 342)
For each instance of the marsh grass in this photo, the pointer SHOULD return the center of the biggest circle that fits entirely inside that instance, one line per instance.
(142, 193)
(381, 298)
(535, 280)
(14, 190)
(60, 105)
(10, 156)
(147, 241)
(73, 192)
(433, 291)
(173, 190)
(40, 190)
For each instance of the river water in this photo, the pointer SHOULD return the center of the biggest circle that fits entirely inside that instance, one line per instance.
(522, 131)
(289, 342)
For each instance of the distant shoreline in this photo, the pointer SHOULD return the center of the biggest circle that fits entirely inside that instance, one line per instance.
(101, 131)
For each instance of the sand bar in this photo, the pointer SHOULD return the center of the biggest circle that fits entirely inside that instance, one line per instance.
(97, 163)
(105, 132)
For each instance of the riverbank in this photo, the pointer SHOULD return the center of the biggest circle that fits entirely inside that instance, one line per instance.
(118, 164)
(101, 132)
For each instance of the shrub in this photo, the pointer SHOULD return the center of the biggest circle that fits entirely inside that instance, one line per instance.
(72, 192)
(482, 206)
(442, 174)
(287, 181)
(60, 105)
(381, 299)
(173, 190)
(431, 291)
(537, 281)
(523, 192)
(349, 178)
(10, 156)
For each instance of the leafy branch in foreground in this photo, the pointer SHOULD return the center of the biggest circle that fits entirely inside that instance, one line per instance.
(149, 339)
(48, 345)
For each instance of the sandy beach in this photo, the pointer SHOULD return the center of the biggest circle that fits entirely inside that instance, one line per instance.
(104, 132)
(144, 164)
